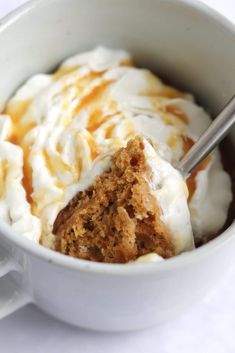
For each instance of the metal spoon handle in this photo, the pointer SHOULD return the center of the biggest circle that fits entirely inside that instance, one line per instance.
(209, 139)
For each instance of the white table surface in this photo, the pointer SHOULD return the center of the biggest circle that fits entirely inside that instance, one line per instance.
(208, 327)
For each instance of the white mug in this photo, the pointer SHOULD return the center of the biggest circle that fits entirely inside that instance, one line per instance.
(183, 40)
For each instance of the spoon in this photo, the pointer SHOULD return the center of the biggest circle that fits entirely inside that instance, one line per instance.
(218, 129)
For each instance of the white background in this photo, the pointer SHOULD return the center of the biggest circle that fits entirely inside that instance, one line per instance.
(208, 327)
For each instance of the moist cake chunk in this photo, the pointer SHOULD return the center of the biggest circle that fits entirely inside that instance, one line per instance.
(117, 219)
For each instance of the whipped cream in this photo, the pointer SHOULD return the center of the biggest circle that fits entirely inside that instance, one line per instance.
(68, 124)
(171, 193)
(152, 257)
(14, 208)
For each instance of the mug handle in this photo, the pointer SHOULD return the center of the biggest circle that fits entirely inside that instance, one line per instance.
(12, 296)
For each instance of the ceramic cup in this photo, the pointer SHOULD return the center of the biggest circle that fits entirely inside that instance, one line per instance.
(190, 45)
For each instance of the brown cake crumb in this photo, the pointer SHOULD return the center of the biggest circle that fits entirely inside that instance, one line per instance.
(117, 219)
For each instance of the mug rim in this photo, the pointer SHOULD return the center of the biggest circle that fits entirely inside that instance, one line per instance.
(76, 264)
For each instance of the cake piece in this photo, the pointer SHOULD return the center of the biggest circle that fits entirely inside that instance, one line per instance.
(118, 218)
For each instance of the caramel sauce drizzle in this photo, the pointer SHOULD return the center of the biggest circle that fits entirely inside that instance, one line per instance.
(97, 117)
(92, 98)
(173, 141)
(19, 131)
(96, 120)
(3, 176)
(191, 181)
(174, 110)
(62, 71)
(170, 92)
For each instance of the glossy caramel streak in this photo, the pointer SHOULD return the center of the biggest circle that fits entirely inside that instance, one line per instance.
(191, 181)
(174, 110)
(3, 176)
(95, 96)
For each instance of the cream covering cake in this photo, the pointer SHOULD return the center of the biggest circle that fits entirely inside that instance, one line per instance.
(59, 131)
(137, 208)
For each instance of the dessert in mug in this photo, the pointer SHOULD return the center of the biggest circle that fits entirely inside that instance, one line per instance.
(87, 163)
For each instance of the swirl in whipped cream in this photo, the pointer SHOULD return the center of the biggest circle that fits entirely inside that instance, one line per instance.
(68, 124)
(14, 208)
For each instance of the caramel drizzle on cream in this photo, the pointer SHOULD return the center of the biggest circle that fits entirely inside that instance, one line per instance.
(101, 109)
(191, 181)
